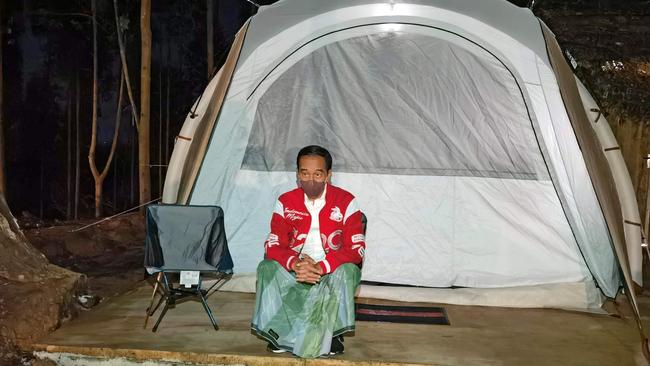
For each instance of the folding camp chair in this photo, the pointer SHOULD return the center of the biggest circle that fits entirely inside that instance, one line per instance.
(190, 241)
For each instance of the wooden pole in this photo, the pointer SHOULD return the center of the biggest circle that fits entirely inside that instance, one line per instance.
(210, 37)
(145, 95)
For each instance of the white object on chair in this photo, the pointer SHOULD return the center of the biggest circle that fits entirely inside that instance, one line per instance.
(189, 278)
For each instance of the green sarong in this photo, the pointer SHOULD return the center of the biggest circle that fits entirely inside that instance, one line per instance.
(303, 318)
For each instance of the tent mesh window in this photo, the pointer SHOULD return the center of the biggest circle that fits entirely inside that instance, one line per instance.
(398, 103)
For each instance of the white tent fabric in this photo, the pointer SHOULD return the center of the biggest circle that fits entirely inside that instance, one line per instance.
(444, 119)
(579, 296)
(441, 132)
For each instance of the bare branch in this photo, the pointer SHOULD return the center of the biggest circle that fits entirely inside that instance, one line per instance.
(125, 67)
(116, 132)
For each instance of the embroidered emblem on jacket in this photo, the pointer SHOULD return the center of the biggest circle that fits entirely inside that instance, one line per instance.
(336, 214)
(332, 243)
(294, 215)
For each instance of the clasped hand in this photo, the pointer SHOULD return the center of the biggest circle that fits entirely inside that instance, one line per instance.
(307, 270)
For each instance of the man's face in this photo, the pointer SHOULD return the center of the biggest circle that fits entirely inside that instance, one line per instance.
(313, 168)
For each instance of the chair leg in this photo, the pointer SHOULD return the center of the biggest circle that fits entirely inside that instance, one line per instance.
(162, 314)
(170, 303)
(160, 301)
(153, 296)
(170, 294)
(207, 310)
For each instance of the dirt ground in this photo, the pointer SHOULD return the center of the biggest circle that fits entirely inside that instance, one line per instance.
(110, 253)
(108, 256)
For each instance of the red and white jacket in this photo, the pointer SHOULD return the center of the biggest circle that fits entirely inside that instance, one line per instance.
(340, 228)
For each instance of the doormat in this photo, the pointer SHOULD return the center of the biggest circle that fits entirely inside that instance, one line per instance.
(401, 314)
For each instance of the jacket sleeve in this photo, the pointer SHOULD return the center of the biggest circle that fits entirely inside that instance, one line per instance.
(276, 246)
(353, 243)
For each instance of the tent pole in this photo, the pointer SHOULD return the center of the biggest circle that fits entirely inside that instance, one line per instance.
(646, 219)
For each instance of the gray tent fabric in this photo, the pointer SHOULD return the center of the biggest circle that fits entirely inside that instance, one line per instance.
(458, 128)
(183, 237)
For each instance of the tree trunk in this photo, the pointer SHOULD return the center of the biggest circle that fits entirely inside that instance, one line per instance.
(132, 168)
(116, 133)
(97, 176)
(167, 113)
(77, 172)
(116, 172)
(145, 88)
(98, 197)
(160, 124)
(3, 179)
(125, 68)
(93, 136)
(68, 196)
(40, 192)
(36, 296)
(210, 48)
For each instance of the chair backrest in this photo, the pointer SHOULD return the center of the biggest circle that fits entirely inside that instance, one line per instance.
(191, 238)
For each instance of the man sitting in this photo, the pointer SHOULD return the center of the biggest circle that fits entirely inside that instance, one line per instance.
(307, 281)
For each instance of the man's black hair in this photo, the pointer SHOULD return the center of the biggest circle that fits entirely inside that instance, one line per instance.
(315, 150)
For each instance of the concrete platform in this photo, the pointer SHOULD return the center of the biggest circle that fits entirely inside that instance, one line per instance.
(476, 336)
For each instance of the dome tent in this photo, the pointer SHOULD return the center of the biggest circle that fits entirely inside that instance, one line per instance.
(479, 159)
